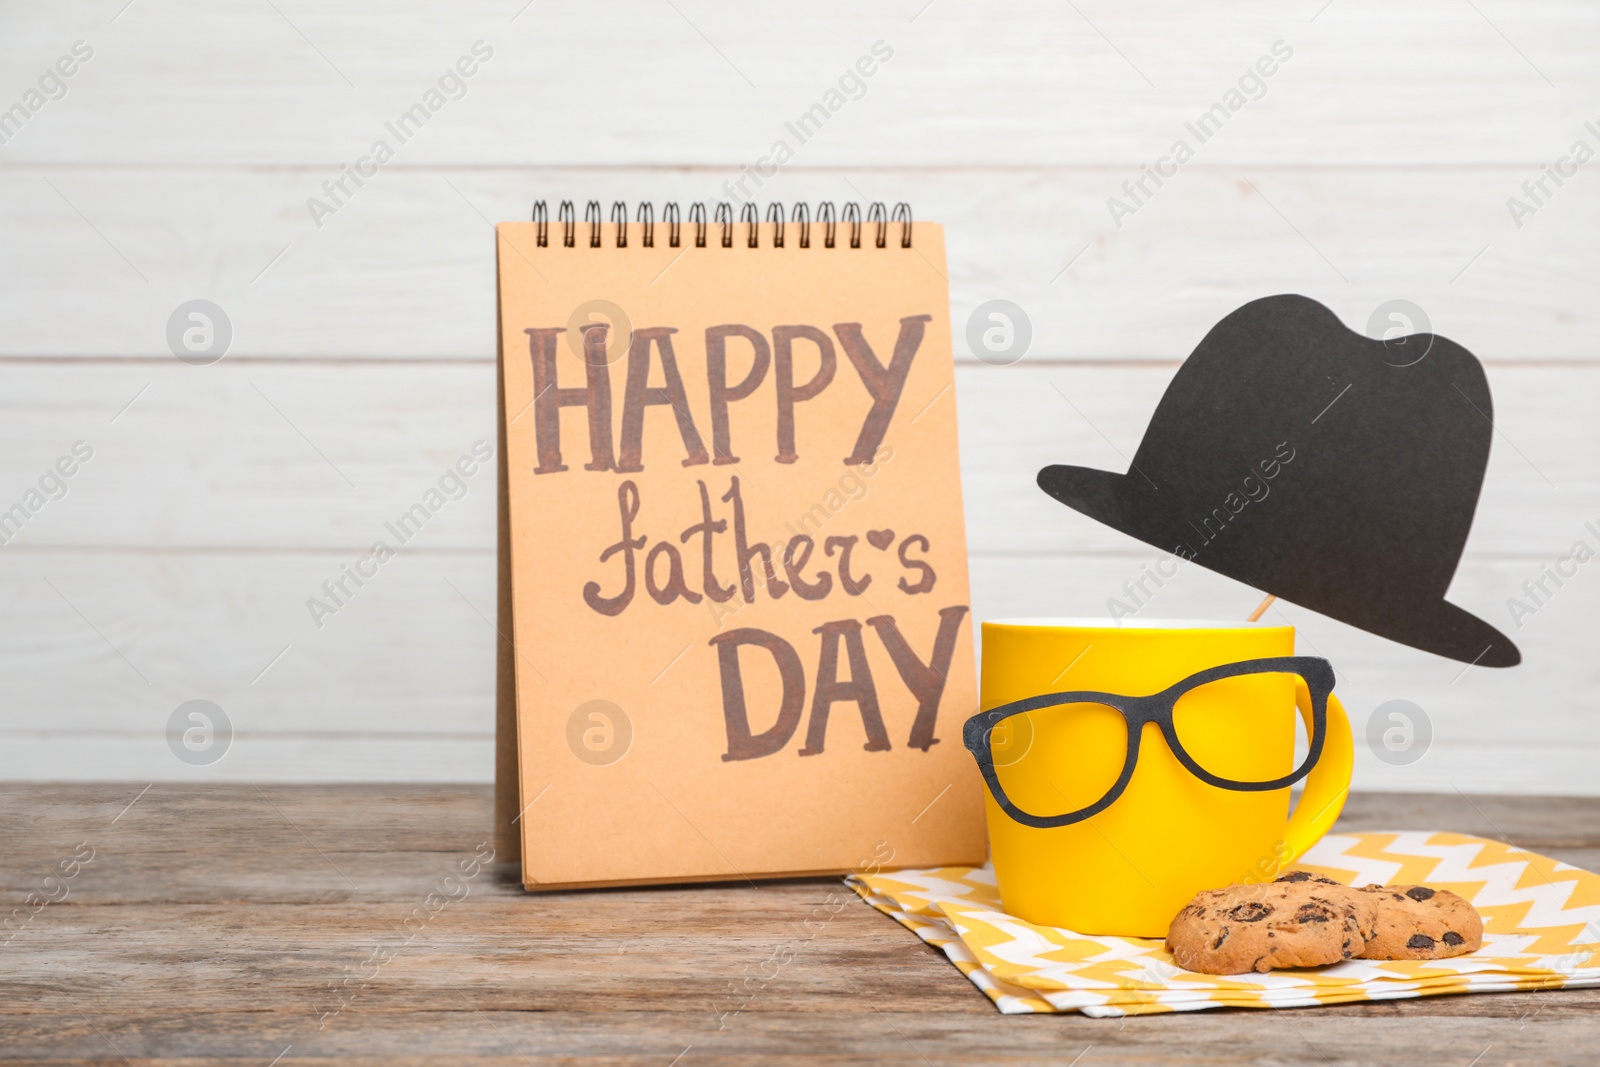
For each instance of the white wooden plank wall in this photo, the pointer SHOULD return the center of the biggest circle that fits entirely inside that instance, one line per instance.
(1374, 163)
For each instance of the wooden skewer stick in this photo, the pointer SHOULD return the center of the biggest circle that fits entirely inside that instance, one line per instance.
(1261, 608)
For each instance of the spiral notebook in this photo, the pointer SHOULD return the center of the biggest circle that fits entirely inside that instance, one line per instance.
(733, 584)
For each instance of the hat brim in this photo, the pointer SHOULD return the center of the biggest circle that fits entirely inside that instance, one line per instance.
(1099, 495)
(1436, 626)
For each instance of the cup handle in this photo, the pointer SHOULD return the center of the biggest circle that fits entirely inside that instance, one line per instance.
(1327, 785)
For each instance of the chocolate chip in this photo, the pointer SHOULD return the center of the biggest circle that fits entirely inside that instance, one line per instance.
(1397, 896)
(1307, 876)
(1311, 913)
(1453, 938)
(1346, 948)
(1220, 938)
(1420, 941)
(1419, 892)
(1250, 911)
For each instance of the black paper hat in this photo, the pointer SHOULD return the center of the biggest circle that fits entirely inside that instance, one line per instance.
(1336, 471)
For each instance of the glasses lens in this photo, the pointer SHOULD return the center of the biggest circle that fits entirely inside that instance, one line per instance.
(1060, 759)
(1241, 728)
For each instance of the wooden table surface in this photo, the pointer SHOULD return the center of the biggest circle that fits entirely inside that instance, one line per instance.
(291, 924)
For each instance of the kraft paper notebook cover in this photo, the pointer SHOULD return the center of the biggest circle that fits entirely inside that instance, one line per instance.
(733, 560)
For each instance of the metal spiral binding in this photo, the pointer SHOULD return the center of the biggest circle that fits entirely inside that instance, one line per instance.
(697, 215)
(541, 222)
(569, 223)
(902, 214)
(669, 215)
(749, 217)
(774, 216)
(646, 218)
(619, 219)
(876, 214)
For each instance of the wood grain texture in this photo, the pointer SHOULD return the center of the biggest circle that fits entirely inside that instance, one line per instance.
(623, 83)
(318, 457)
(180, 563)
(399, 685)
(102, 256)
(1376, 164)
(175, 945)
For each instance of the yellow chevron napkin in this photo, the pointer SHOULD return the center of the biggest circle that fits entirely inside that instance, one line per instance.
(1541, 930)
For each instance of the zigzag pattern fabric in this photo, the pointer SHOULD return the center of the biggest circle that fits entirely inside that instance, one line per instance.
(1541, 930)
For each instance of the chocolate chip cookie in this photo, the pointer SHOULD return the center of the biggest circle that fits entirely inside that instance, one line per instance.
(1301, 920)
(1419, 923)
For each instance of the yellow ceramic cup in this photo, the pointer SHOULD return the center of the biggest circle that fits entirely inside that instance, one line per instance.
(1130, 868)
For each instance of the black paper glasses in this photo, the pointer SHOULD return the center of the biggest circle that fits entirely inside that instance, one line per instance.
(1167, 710)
